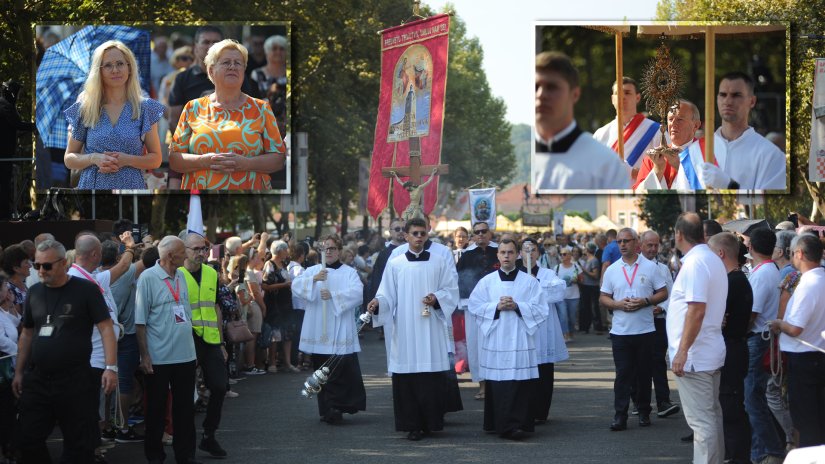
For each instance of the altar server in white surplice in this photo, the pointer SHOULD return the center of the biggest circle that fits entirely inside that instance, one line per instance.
(550, 345)
(509, 305)
(332, 292)
(418, 293)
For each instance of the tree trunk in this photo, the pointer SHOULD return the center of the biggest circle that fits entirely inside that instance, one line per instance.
(344, 211)
(158, 219)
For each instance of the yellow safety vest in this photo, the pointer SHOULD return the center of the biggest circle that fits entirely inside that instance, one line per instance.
(202, 300)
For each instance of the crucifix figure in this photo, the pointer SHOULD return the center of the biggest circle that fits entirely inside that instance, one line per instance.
(414, 185)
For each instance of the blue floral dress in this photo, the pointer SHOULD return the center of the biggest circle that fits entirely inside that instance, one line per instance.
(125, 136)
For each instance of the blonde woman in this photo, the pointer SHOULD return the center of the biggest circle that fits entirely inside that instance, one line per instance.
(113, 129)
(227, 140)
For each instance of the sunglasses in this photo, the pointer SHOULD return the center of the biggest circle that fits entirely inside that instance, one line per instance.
(481, 231)
(623, 241)
(46, 266)
(202, 249)
(419, 233)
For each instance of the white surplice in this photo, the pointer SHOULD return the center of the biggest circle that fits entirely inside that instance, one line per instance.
(508, 348)
(329, 325)
(417, 343)
(550, 346)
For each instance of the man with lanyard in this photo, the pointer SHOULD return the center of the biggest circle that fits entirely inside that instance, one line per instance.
(163, 319)
(202, 286)
(664, 408)
(473, 265)
(640, 133)
(744, 159)
(53, 378)
(801, 341)
(764, 279)
(631, 287)
(565, 157)
(659, 171)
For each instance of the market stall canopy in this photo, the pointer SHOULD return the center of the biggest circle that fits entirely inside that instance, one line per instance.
(604, 223)
(577, 224)
(746, 226)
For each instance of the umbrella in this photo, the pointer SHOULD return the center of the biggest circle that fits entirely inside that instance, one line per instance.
(746, 226)
(65, 66)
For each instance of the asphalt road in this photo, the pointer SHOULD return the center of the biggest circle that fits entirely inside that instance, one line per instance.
(271, 422)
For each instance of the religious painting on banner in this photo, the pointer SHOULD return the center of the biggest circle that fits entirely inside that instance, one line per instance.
(483, 206)
(816, 161)
(410, 109)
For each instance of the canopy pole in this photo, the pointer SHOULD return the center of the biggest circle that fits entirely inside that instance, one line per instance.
(710, 92)
(619, 95)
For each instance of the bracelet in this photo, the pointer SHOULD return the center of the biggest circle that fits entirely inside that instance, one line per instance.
(647, 300)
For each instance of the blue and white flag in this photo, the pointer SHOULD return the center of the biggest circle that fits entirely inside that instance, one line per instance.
(483, 206)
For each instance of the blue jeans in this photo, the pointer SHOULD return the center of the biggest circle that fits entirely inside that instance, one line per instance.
(764, 437)
(567, 314)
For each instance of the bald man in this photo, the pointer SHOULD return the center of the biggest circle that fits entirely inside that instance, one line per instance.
(659, 169)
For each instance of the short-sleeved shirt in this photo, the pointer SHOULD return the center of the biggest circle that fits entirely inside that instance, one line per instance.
(570, 276)
(701, 279)
(805, 310)
(592, 265)
(102, 279)
(168, 339)
(249, 131)
(640, 279)
(125, 135)
(611, 253)
(123, 290)
(738, 306)
(74, 309)
(764, 280)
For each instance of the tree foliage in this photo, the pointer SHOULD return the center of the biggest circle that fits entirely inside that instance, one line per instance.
(805, 17)
(335, 59)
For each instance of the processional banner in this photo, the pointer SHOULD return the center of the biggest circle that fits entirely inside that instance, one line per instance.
(816, 161)
(410, 107)
(483, 206)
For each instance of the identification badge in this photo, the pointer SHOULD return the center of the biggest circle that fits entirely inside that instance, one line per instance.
(180, 314)
(47, 329)
(630, 293)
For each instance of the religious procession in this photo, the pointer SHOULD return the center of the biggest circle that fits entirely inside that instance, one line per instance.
(215, 245)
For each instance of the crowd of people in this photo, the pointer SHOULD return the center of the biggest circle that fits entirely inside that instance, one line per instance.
(126, 328)
(207, 87)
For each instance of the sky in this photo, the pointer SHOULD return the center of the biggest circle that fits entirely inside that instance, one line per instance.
(505, 31)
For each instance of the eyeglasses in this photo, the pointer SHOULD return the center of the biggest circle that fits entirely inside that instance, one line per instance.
(481, 231)
(228, 64)
(419, 233)
(116, 66)
(624, 240)
(565, 254)
(398, 229)
(202, 249)
(331, 249)
(184, 58)
(46, 266)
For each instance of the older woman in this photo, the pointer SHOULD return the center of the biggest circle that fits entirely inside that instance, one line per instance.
(226, 140)
(16, 265)
(278, 299)
(114, 133)
(274, 71)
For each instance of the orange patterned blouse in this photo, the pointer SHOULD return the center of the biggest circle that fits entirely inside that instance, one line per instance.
(249, 131)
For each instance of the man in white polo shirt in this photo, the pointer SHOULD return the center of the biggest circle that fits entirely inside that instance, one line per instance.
(805, 322)
(694, 332)
(631, 288)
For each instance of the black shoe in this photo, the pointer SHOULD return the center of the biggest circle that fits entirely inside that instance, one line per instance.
(211, 446)
(618, 424)
(514, 435)
(687, 438)
(415, 435)
(644, 420)
(129, 436)
(635, 411)
(333, 416)
(666, 408)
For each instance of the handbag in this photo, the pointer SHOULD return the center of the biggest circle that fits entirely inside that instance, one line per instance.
(238, 332)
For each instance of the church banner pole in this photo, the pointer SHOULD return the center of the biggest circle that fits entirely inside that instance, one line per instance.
(710, 106)
(619, 94)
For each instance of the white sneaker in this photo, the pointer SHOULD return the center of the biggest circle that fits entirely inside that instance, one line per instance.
(272, 369)
(232, 394)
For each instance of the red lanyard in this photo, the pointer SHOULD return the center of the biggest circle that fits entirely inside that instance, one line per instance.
(760, 265)
(176, 292)
(88, 277)
(631, 279)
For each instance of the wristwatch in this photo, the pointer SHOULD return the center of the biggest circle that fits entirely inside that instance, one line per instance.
(112, 368)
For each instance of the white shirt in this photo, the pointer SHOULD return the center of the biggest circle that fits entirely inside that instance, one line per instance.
(550, 346)
(664, 273)
(764, 280)
(294, 270)
(639, 279)
(8, 333)
(607, 135)
(329, 325)
(587, 165)
(701, 279)
(508, 348)
(806, 309)
(101, 278)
